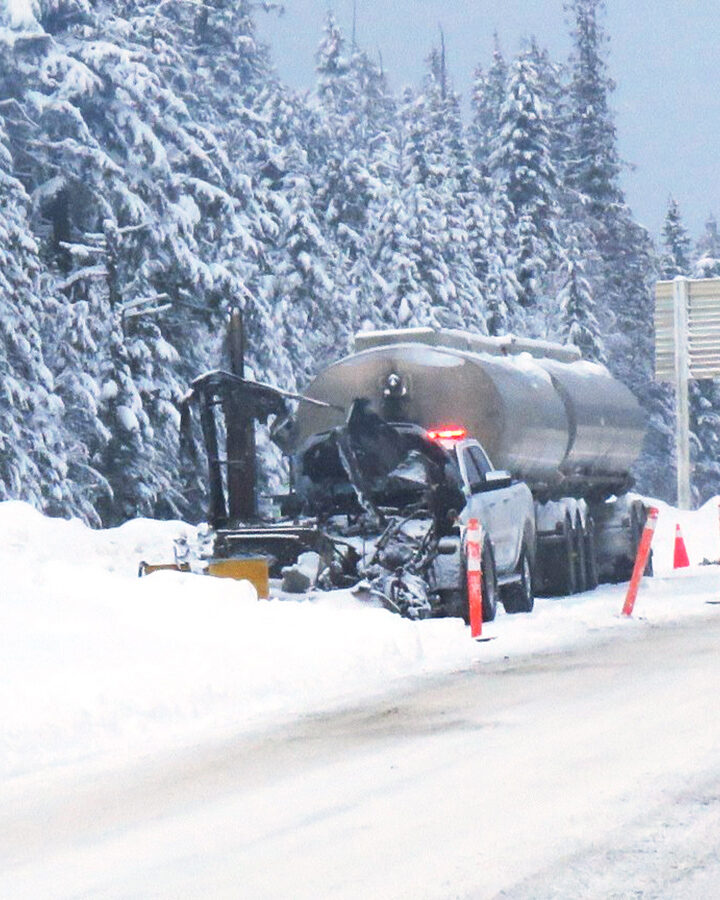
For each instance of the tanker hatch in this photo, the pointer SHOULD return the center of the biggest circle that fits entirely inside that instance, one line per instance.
(395, 386)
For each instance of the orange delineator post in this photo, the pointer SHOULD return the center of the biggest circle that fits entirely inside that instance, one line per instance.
(643, 552)
(474, 577)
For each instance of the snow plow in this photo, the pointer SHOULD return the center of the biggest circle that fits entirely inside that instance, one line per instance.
(389, 452)
(375, 506)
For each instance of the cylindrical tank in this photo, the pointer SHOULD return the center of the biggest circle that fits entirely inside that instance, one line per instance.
(606, 424)
(545, 420)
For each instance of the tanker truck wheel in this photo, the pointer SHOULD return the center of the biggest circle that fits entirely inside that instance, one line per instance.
(625, 564)
(580, 557)
(560, 566)
(591, 564)
(520, 596)
(641, 516)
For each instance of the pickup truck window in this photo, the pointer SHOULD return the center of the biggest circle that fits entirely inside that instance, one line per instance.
(482, 463)
(474, 474)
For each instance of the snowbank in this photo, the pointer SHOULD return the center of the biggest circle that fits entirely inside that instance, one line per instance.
(100, 665)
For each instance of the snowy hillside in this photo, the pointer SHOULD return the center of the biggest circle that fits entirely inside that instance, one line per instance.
(100, 666)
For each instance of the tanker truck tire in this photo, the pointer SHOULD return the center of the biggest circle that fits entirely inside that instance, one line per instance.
(520, 597)
(624, 565)
(559, 564)
(642, 519)
(591, 564)
(580, 557)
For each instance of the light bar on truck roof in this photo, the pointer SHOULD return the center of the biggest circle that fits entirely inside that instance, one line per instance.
(447, 434)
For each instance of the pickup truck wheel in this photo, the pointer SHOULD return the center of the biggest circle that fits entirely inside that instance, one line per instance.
(520, 597)
(489, 583)
(455, 602)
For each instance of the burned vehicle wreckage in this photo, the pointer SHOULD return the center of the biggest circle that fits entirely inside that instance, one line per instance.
(388, 463)
(377, 503)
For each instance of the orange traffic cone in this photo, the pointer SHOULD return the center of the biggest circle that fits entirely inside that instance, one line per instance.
(680, 558)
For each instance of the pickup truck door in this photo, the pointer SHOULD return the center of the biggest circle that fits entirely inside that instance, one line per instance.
(500, 510)
(481, 504)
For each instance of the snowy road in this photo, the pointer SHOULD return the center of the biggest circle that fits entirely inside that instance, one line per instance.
(588, 773)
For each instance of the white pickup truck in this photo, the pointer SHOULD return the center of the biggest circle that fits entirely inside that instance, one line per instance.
(438, 479)
(505, 511)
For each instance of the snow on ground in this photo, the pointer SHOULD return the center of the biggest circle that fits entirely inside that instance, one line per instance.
(98, 665)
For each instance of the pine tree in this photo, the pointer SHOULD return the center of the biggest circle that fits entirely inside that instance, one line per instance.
(303, 263)
(167, 175)
(522, 161)
(675, 259)
(707, 255)
(454, 183)
(704, 394)
(498, 301)
(334, 87)
(352, 145)
(33, 457)
(522, 167)
(120, 236)
(554, 77)
(488, 97)
(579, 326)
(625, 272)
(434, 294)
(594, 165)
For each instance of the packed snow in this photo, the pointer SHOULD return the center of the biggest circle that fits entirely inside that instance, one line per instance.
(100, 665)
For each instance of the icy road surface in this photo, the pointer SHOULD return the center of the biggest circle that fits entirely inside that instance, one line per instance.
(587, 773)
(174, 737)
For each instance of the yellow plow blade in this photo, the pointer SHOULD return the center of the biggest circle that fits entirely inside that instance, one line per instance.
(252, 569)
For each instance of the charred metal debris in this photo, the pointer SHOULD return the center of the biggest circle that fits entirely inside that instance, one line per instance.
(372, 506)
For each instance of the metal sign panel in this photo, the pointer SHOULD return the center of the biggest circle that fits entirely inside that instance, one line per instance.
(664, 332)
(703, 328)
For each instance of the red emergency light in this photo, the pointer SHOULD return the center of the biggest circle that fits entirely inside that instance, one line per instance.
(447, 434)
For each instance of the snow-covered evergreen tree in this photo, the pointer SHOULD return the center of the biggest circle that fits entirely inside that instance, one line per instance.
(707, 255)
(625, 272)
(303, 267)
(351, 176)
(522, 162)
(33, 459)
(579, 326)
(488, 97)
(456, 185)
(675, 258)
(704, 394)
(522, 167)
(554, 76)
(594, 164)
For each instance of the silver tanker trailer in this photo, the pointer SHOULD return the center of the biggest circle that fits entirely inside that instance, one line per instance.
(563, 425)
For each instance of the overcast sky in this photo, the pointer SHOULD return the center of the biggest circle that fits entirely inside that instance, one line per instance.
(664, 56)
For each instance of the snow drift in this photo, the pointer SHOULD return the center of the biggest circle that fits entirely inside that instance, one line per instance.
(100, 666)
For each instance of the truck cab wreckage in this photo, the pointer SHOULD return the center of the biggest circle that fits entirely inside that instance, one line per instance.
(388, 462)
(373, 503)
